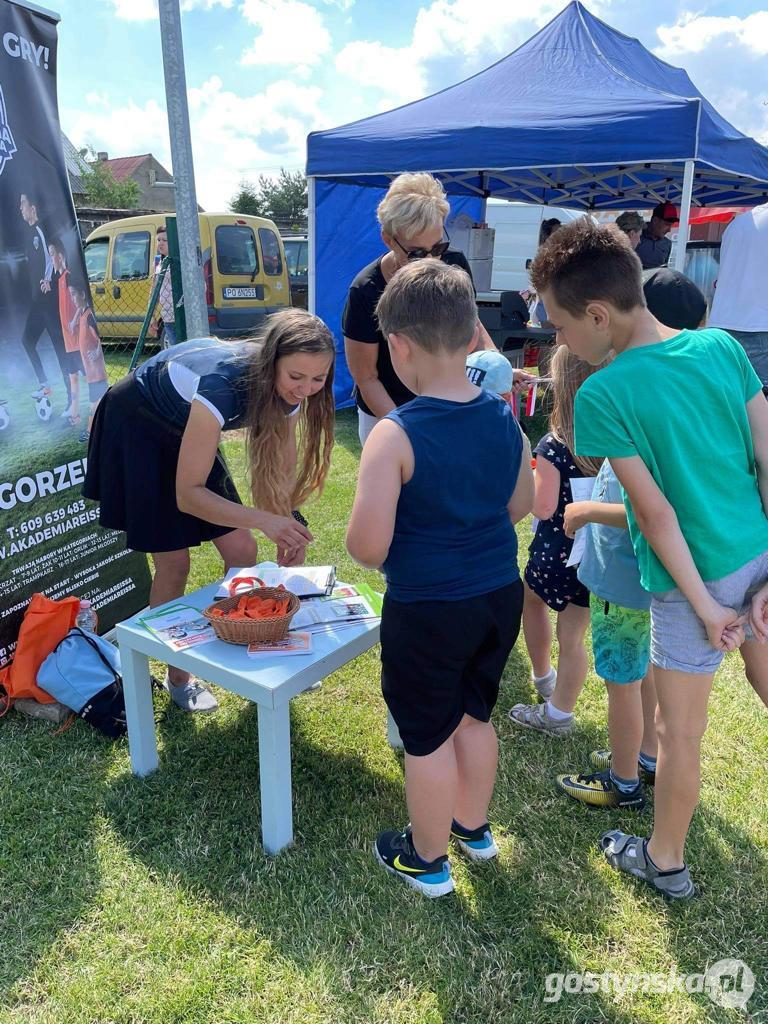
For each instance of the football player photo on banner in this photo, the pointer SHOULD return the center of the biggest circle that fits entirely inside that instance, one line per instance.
(53, 370)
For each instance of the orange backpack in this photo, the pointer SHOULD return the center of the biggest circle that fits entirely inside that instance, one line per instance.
(45, 624)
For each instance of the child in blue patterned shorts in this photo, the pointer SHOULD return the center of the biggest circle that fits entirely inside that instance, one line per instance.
(621, 641)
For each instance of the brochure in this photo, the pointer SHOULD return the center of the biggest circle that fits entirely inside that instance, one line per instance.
(180, 626)
(373, 597)
(581, 490)
(293, 643)
(303, 581)
(337, 610)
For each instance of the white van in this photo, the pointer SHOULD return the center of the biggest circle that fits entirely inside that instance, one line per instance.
(517, 239)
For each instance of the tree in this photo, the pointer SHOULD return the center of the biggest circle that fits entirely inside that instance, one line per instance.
(102, 189)
(284, 197)
(247, 200)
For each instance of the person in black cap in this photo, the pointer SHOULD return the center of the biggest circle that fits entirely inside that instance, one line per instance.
(654, 246)
(675, 300)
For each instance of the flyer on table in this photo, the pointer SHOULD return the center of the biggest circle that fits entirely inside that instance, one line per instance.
(180, 626)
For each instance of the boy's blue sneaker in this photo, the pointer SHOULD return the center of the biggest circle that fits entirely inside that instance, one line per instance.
(478, 843)
(395, 851)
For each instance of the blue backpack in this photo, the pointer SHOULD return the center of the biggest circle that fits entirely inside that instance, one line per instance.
(83, 673)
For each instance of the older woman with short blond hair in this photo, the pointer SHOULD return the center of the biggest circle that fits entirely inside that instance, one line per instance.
(412, 219)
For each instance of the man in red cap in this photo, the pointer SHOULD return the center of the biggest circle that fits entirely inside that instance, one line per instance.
(654, 245)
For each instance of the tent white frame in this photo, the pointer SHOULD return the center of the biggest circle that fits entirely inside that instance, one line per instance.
(644, 193)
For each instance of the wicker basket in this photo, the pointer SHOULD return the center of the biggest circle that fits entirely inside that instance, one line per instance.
(252, 631)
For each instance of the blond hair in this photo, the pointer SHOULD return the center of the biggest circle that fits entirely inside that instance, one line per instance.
(568, 373)
(413, 203)
(431, 303)
(289, 332)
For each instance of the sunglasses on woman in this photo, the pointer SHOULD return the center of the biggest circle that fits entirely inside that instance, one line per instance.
(436, 252)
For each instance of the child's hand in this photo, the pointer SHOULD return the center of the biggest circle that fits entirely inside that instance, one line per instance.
(723, 626)
(758, 614)
(576, 515)
(522, 380)
(733, 637)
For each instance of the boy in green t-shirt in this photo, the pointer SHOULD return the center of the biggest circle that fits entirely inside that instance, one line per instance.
(683, 421)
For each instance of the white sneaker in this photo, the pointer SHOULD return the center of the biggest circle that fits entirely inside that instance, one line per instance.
(191, 696)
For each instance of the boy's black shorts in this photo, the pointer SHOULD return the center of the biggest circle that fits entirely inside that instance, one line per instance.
(442, 660)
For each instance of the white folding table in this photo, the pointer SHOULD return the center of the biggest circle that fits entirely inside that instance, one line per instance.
(268, 682)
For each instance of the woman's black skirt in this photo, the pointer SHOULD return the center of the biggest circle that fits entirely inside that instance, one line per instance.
(132, 459)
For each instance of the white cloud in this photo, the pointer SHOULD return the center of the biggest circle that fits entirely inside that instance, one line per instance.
(386, 67)
(290, 33)
(446, 29)
(458, 26)
(693, 33)
(233, 137)
(121, 131)
(726, 57)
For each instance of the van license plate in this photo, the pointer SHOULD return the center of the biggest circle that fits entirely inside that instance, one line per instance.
(240, 292)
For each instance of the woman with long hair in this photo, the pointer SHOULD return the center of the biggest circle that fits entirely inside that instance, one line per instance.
(155, 466)
(550, 583)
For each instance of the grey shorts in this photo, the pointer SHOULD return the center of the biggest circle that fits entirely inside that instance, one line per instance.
(678, 637)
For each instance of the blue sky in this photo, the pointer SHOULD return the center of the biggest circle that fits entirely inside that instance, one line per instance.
(263, 73)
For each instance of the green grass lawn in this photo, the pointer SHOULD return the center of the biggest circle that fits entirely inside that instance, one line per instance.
(125, 900)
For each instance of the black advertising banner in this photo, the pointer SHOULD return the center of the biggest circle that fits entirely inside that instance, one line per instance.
(52, 367)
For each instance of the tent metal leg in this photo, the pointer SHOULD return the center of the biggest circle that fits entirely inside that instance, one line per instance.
(685, 213)
(311, 243)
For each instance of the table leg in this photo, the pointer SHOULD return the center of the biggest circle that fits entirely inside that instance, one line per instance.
(393, 733)
(275, 777)
(137, 689)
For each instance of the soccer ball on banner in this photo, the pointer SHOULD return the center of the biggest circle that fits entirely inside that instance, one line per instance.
(5, 418)
(43, 408)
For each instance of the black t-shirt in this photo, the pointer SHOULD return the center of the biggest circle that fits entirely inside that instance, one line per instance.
(204, 370)
(38, 259)
(359, 323)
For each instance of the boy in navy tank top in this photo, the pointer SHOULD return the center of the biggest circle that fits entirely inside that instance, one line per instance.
(442, 481)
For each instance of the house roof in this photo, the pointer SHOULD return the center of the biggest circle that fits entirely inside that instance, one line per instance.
(76, 165)
(122, 167)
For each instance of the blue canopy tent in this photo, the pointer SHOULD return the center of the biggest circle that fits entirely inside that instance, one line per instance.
(579, 116)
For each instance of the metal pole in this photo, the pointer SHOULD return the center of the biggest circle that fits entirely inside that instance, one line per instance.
(311, 245)
(685, 213)
(195, 307)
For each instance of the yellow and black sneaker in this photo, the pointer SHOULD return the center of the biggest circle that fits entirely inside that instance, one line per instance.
(601, 759)
(599, 790)
(395, 851)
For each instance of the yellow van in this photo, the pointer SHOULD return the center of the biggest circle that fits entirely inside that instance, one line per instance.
(244, 266)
